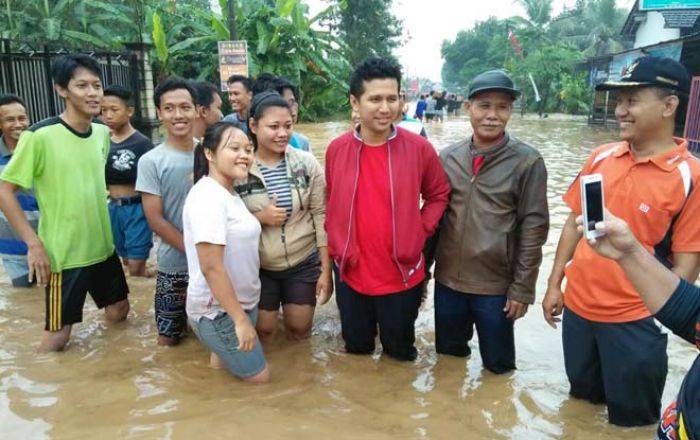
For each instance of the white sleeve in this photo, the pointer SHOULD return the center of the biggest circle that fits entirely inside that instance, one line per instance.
(208, 218)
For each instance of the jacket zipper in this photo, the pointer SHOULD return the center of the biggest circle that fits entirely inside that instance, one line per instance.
(284, 243)
(393, 216)
(352, 206)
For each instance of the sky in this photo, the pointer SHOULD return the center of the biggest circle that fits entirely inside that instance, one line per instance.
(428, 22)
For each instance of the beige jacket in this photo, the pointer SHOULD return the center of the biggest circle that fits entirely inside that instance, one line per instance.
(283, 247)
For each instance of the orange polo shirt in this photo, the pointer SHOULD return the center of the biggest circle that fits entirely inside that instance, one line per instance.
(647, 194)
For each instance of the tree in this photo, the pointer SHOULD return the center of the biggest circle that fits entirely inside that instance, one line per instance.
(367, 27)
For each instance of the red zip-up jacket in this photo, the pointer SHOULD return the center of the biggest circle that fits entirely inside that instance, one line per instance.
(415, 173)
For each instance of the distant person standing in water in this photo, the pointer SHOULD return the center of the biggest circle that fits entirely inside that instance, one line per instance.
(420, 108)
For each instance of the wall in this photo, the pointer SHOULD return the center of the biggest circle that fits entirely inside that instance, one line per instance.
(652, 31)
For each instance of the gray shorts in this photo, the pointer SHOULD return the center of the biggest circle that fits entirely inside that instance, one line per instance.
(219, 335)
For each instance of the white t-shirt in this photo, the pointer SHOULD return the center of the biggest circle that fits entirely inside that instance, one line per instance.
(213, 215)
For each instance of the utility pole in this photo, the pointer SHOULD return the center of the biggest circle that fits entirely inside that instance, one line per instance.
(231, 19)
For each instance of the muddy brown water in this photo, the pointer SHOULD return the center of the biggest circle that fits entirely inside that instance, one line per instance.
(114, 382)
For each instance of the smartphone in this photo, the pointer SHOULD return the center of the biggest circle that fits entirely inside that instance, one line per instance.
(592, 203)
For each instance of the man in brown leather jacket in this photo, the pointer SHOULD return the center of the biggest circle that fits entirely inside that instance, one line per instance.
(490, 241)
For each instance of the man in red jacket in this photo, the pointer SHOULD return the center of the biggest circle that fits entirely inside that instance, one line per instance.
(376, 177)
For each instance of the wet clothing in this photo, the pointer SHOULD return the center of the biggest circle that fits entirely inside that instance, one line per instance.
(167, 172)
(302, 234)
(659, 198)
(414, 173)
(133, 237)
(681, 314)
(123, 159)
(219, 335)
(169, 304)
(375, 270)
(66, 291)
(490, 239)
(623, 365)
(66, 170)
(394, 315)
(300, 142)
(214, 215)
(296, 285)
(413, 125)
(13, 250)
(456, 315)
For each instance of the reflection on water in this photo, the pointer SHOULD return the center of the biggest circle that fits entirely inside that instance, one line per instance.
(115, 381)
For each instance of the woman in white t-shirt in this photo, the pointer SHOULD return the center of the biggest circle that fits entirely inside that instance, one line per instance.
(221, 241)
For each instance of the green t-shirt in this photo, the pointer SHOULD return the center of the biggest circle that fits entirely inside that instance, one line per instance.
(66, 170)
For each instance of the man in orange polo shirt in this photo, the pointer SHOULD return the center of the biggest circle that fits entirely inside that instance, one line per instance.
(614, 353)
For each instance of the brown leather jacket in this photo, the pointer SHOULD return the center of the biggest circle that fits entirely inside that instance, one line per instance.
(491, 236)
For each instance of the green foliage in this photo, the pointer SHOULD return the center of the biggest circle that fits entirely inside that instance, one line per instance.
(184, 36)
(367, 27)
(552, 48)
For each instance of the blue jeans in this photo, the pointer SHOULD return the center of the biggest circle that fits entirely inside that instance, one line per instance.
(219, 335)
(457, 313)
(17, 270)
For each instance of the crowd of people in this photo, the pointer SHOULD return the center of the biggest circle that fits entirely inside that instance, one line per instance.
(251, 226)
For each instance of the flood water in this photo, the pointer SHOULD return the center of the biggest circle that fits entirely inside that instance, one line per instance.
(114, 382)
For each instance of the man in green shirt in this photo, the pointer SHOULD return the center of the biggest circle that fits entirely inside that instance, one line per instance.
(63, 159)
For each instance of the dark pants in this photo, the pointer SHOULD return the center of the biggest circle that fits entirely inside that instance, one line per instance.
(395, 315)
(457, 313)
(621, 364)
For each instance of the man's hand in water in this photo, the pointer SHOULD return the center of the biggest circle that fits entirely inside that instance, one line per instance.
(39, 263)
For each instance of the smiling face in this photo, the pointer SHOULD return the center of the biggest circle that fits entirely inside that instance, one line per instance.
(83, 94)
(177, 112)
(273, 129)
(232, 158)
(378, 105)
(642, 113)
(239, 97)
(13, 120)
(489, 113)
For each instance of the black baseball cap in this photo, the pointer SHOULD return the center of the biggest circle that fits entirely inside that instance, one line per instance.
(649, 71)
(493, 81)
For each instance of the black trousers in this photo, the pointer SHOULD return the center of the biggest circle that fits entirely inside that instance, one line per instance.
(623, 365)
(394, 315)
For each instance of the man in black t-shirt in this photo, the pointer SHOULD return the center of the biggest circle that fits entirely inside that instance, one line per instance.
(132, 236)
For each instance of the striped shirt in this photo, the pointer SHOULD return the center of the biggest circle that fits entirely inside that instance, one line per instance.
(277, 183)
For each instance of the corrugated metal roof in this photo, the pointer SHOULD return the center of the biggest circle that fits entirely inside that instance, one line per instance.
(681, 18)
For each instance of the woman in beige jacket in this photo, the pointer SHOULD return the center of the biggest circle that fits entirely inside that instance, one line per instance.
(285, 190)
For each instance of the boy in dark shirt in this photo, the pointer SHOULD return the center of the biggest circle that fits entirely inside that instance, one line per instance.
(132, 236)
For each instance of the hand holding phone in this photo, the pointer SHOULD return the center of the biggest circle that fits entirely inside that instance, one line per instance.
(592, 204)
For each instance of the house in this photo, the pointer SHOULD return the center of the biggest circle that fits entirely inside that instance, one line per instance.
(653, 28)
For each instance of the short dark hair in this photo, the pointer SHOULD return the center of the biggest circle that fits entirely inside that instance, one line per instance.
(374, 68)
(204, 92)
(8, 98)
(173, 83)
(64, 67)
(247, 83)
(263, 83)
(120, 92)
(269, 82)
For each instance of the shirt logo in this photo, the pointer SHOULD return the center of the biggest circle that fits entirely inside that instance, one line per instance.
(644, 207)
(123, 160)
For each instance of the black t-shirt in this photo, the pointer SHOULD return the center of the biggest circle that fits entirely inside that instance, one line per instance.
(123, 158)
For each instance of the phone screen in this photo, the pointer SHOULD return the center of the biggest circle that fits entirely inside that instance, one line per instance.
(594, 204)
